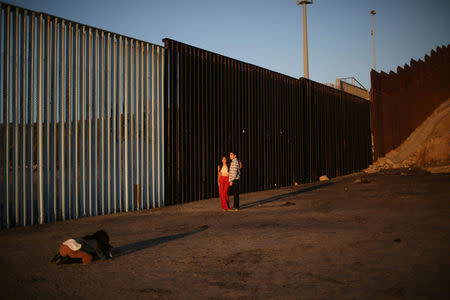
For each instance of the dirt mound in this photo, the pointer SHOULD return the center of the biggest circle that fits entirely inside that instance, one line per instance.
(428, 147)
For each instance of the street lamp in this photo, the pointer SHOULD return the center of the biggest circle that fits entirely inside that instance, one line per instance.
(373, 13)
(305, 38)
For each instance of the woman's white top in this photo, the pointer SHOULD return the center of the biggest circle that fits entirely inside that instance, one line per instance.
(224, 170)
(72, 244)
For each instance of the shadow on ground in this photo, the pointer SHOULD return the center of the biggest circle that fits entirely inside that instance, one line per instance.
(141, 245)
(278, 197)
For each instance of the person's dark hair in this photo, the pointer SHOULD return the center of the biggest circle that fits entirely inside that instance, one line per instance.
(234, 152)
(103, 240)
(227, 163)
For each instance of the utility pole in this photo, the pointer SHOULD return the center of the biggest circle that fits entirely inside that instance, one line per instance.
(305, 37)
(373, 13)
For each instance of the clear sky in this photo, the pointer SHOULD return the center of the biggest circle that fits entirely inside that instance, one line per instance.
(267, 33)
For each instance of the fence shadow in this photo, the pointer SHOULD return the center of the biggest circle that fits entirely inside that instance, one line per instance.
(141, 245)
(278, 197)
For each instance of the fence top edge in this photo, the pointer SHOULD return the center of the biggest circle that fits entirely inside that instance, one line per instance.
(170, 44)
(60, 19)
(167, 41)
(414, 63)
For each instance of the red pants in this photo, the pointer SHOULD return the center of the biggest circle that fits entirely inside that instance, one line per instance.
(66, 251)
(223, 192)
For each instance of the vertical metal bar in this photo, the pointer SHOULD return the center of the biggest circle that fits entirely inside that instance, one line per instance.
(176, 186)
(203, 156)
(147, 116)
(194, 124)
(175, 103)
(270, 130)
(75, 125)
(256, 126)
(125, 127)
(141, 131)
(265, 126)
(102, 123)
(281, 132)
(181, 124)
(277, 99)
(108, 123)
(40, 128)
(47, 123)
(136, 119)
(153, 129)
(172, 133)
(31, 114)
(95, 119)
(211, 96)
(175, 190)
(131, 116)
(2, 94)
(120, 124)
(170, 109)
(298, 117)
(6, 114)
(190, 141)
(291, 136)
(16, 118)
(184, 100)
(132, 101)
(90, 119)
(62, 124)
(158, 123)
(54, 116)
(161, 133)
(24, 116)
(189, 125)
(248, 176)
(69, 120)
(114, 125)
(83, 118)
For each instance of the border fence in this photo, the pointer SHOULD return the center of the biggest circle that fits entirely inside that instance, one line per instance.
(285, 130)
(81, 116)
(93, 122)
(402, 100)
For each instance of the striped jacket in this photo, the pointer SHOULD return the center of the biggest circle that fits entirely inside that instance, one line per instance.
(235, 170)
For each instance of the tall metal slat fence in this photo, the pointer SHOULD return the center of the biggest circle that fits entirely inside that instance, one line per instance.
(402, 100)
(92, 122)
(285, 130)
(81, 120)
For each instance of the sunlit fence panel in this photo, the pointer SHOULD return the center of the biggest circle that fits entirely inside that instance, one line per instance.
(81, 120)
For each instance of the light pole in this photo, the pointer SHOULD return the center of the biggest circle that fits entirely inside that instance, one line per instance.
(373, 13)
(305, 38)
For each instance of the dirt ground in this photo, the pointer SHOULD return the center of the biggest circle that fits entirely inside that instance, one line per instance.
(386, 238)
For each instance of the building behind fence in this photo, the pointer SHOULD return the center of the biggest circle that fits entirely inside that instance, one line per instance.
(285, 130)
(353, 87)
(81, 120)
(93, 122)
(402, 100)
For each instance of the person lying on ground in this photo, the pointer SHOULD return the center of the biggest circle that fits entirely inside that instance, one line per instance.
(84, 250)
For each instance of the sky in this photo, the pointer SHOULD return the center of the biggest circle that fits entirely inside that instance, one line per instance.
(267, 33)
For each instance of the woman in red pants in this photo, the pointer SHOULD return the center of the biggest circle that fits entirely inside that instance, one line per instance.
(222, 180)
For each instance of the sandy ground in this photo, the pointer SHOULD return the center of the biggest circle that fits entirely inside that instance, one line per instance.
(387, 238)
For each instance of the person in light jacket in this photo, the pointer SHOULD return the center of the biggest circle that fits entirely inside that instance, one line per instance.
(234, 179)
